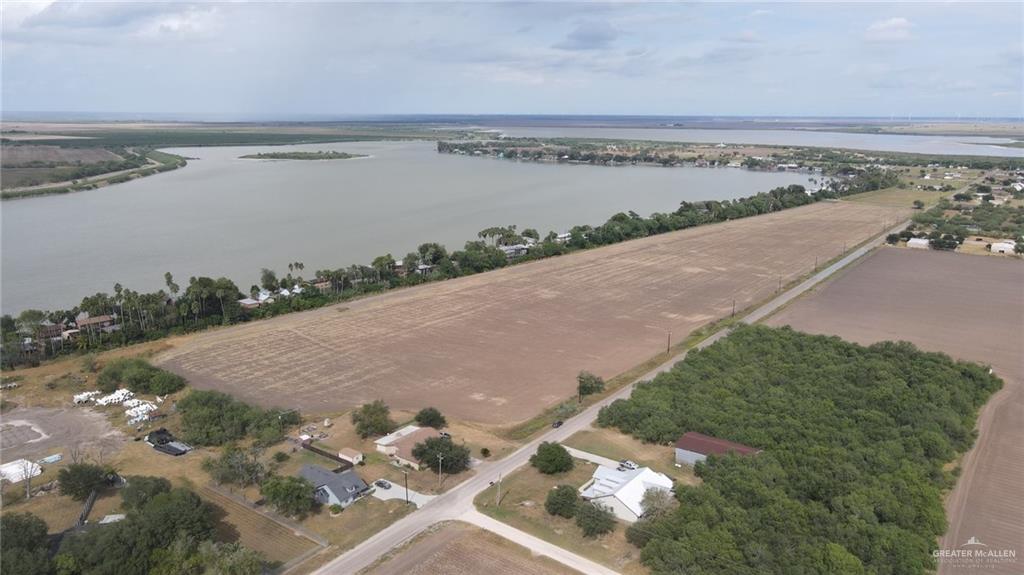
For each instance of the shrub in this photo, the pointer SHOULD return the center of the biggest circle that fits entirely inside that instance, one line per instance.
(588, 383)
(594, 519)
(78, 480)
(484, 452)
(281, 457)
(139, 376)
(431, 417)
(336, 509)
(562, 501)
(373, 418)
(551, 458)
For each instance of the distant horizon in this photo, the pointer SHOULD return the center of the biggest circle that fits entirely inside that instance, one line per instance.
(57, 116)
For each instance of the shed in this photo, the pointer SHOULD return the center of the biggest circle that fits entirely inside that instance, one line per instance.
(693, 447)
(1003, 247)
(918, 243)
(350, 455)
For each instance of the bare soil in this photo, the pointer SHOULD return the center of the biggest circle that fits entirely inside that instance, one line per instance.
(460, 549)
(24, 154)
(971, 308)
(37, 432)
(499, 347)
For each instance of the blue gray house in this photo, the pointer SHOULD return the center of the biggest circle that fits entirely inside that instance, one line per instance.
(334, 488)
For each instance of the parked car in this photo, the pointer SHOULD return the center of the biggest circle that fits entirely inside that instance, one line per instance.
(627, 464)
(445, 435)
(557, 424)
(383, 483)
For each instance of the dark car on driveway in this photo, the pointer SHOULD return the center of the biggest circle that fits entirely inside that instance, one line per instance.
(383, 484)
(557, 424)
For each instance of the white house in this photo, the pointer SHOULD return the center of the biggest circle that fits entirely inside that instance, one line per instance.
(918, 243)
(1003, 247)
(623, 491)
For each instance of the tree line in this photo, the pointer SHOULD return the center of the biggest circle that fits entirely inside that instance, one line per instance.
(854, 440)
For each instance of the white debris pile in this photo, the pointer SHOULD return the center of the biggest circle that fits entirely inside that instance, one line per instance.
(138, 410)
(119, 396)
(85, 396)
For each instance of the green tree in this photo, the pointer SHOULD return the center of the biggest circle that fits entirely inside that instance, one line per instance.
(588, 384)
(442, 450)
(24, 548)
(918, 205)
(431, 417)
(229, 559)
(268, 279)
(594, 519)
(292, 496)
(236, 466)
(78, 480)
(140, 489)
(373, 418)
(551, 458)
(562, 501)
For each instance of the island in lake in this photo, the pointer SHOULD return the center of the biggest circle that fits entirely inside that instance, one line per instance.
(321, 155)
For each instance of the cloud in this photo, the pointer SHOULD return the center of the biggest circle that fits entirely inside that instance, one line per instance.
(890, 30)
(591, 35)
(744, 37)
(759, 12)
(719, 56)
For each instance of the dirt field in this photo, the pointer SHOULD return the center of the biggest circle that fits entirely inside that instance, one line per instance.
(971, 308)
(36, 432)
(23, 154)
(458, 548)
(499, 347)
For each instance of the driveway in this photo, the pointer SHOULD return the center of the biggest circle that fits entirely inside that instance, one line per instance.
(398, 492)
(587, 456)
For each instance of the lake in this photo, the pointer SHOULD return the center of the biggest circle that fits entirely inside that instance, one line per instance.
(224, 216)
(938, 145)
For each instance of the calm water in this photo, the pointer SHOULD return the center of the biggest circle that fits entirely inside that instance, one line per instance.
(939, 145)
(225, 216)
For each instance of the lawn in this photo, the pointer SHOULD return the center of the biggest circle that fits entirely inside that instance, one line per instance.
(522, 506)
(618, 446)
(897, 198)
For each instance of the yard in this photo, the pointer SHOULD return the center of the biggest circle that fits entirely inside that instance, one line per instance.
(618, 446)
(522, 506)
(457, 548)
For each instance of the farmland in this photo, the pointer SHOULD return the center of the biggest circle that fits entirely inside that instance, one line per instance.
(460, 345)
(459, 548)
(970, 308)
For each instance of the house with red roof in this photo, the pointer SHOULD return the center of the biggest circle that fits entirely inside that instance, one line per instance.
(693, 447)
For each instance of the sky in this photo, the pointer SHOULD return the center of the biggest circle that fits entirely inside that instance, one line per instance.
(238, 60)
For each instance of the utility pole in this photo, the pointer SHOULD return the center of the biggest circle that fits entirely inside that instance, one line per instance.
(668, 348)
(733, 308)
(780, 285)
(406, 486)
(497, 497)
(815, 263)
(439, 458)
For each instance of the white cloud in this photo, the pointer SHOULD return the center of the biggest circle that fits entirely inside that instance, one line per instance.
(890, 30)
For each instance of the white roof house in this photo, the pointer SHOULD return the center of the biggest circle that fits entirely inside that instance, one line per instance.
(384, 444)
(19, 470)
(623, 491)
(1003, 247)
(918, 243)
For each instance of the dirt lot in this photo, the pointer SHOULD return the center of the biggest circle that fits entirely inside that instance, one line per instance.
(970, 308)
(499, 347)
(36, 432)
(461, 549)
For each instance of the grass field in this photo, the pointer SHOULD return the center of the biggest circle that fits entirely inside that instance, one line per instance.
(459, 345)
(971, 308)
(896, 198)
(522, 506)
(618, 446)
(460, 549)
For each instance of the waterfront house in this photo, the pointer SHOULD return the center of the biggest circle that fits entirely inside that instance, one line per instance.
(693, 447)
(248, 303)
(103, 323)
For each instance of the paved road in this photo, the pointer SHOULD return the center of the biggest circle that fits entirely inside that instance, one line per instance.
(457, 503)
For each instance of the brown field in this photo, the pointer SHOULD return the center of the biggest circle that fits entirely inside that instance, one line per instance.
(24, 154)
(238, 523)
(972, 309)
(501, 346)
(461, 549)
